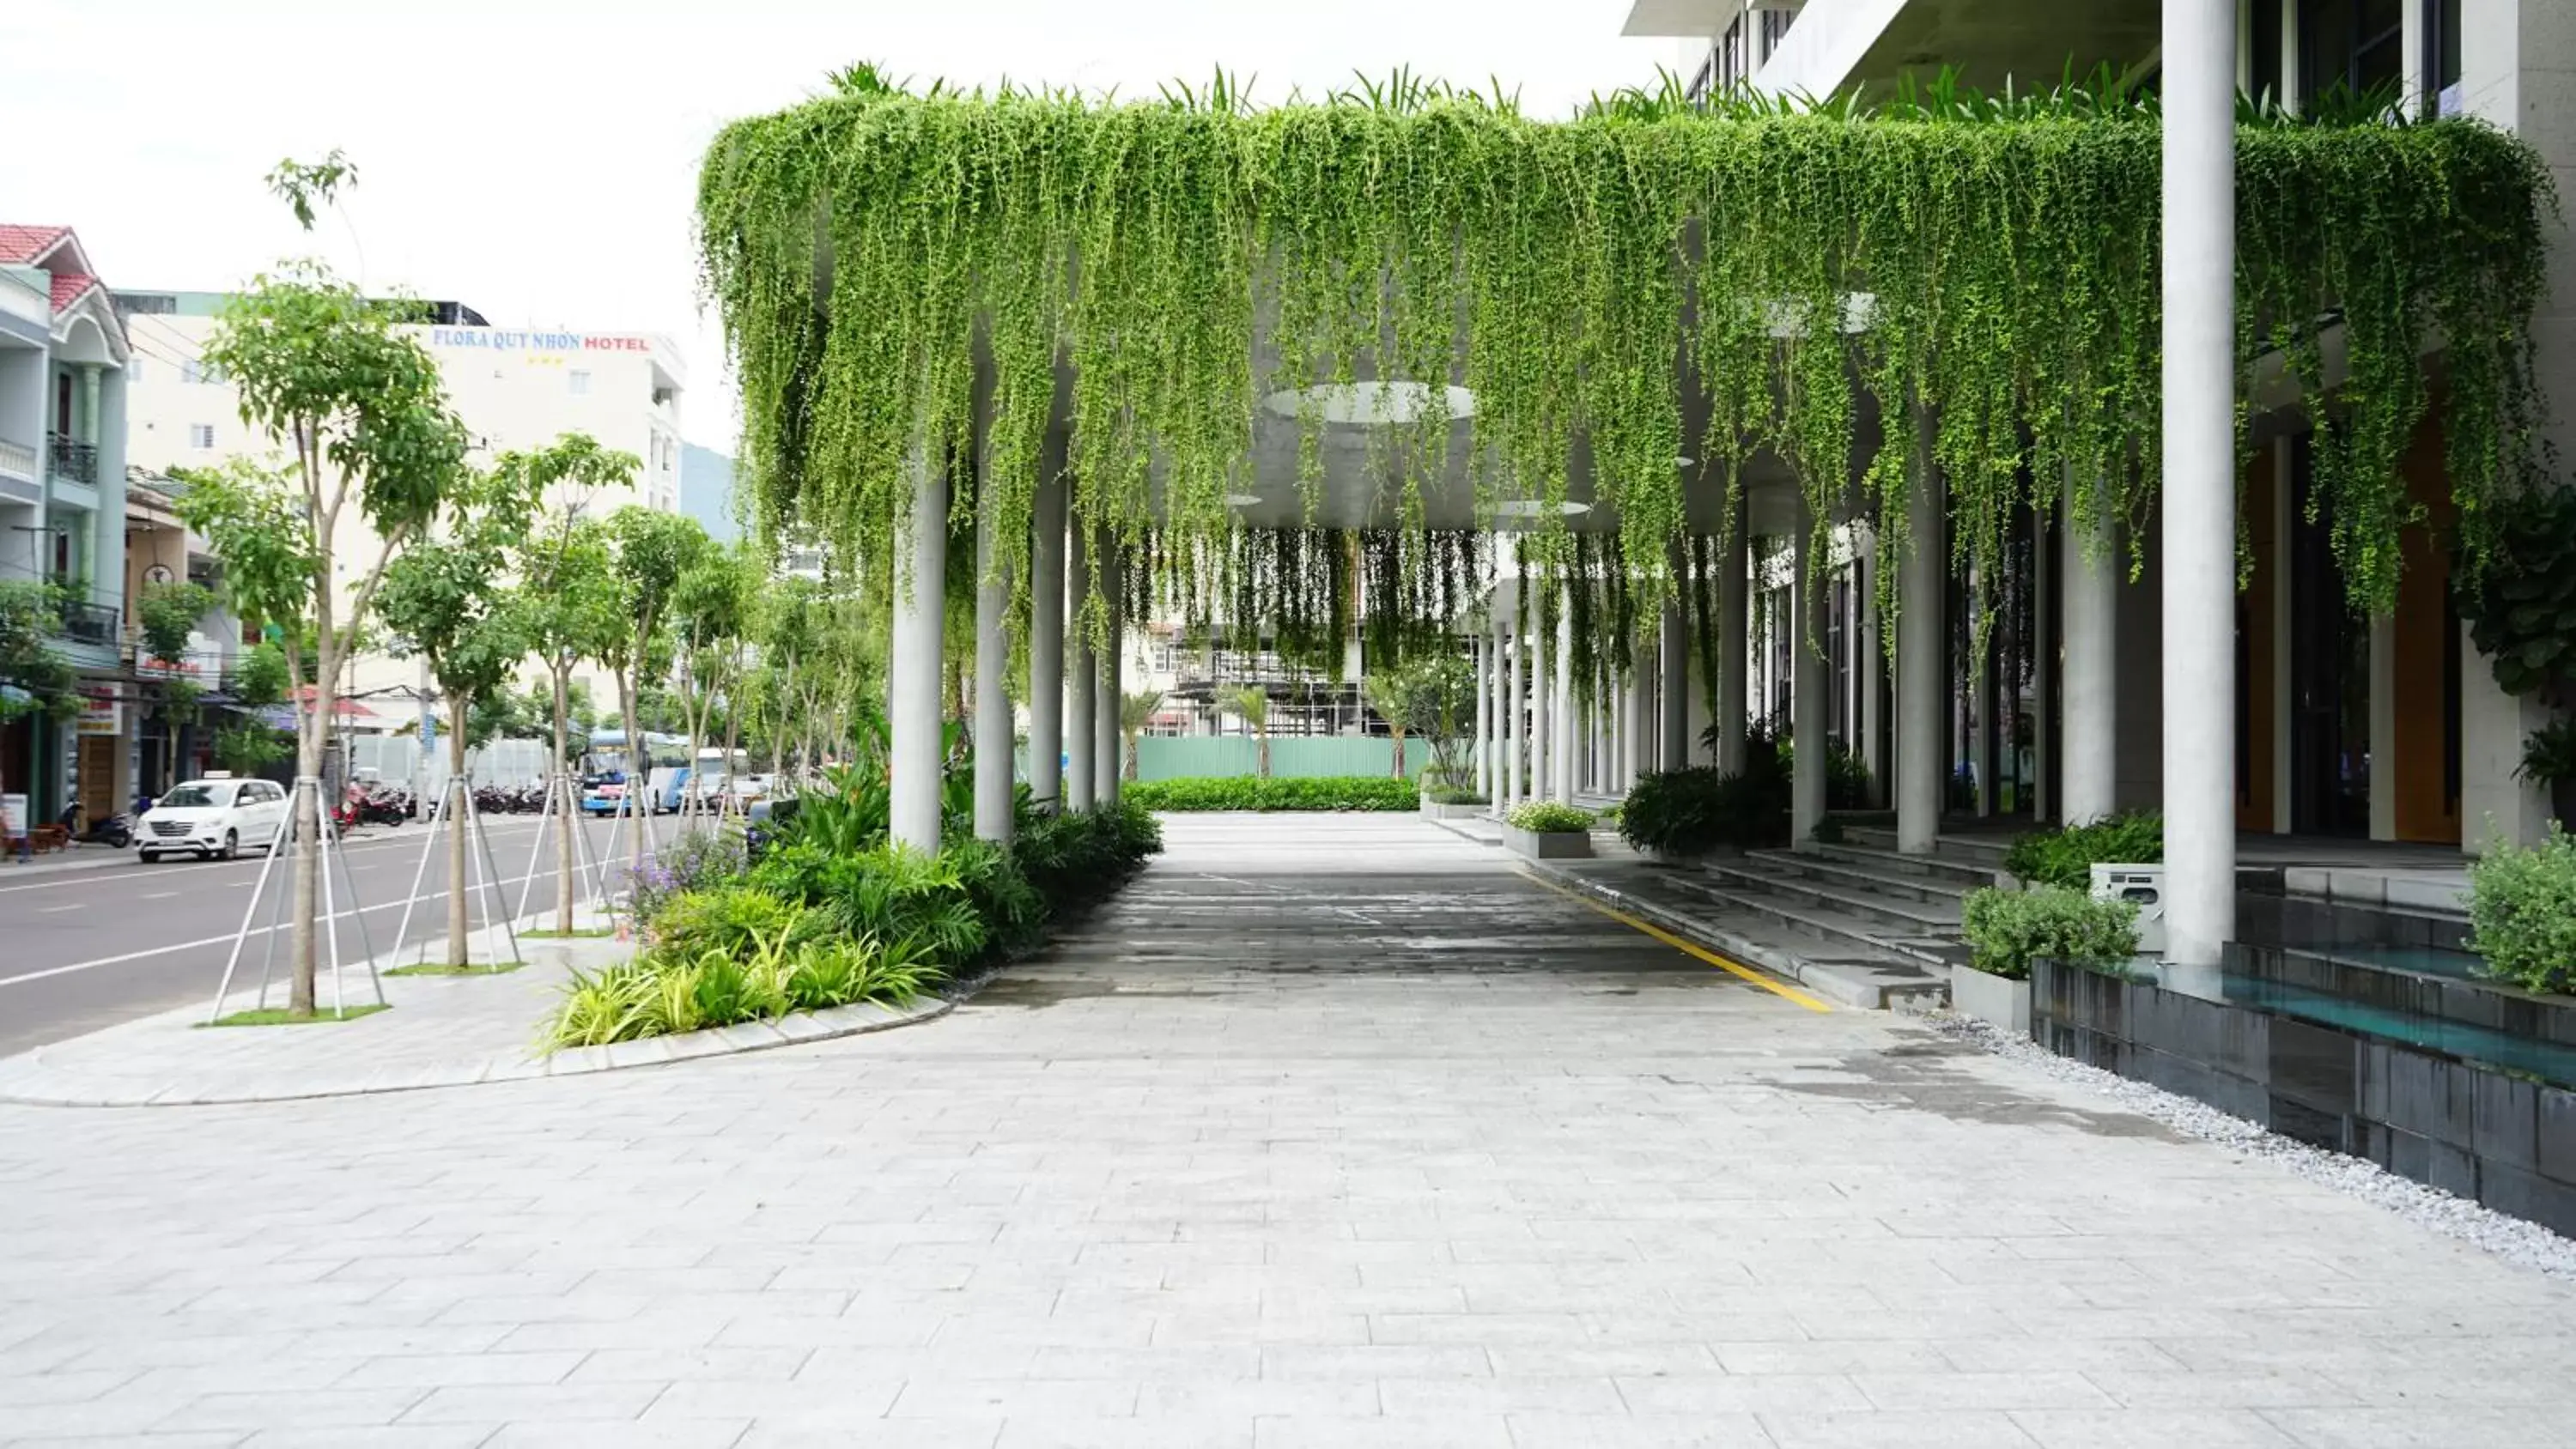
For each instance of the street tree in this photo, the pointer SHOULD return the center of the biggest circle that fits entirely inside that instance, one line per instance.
(712, 608)
(166, 617)
(649, 550)
(448, 605)
(358, 409)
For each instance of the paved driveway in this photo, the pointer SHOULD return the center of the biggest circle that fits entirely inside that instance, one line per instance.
(1330, 1132)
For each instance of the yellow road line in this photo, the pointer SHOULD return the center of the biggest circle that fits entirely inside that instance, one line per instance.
(1767, 983)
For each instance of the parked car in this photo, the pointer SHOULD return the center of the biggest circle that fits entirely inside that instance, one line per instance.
(214, 817)
(708, 787)
(747, 788)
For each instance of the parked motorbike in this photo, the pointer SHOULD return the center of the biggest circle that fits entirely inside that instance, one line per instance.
(116, 830)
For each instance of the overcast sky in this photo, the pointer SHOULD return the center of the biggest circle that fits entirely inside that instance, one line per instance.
(536, 159)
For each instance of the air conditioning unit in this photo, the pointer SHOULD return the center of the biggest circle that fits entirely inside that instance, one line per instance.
(2142, 886)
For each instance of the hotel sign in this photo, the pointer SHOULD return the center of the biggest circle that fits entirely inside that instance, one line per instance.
(495, 339)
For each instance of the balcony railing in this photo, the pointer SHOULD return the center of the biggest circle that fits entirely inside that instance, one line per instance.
(93, 623)
(72, 459)
(17, 460)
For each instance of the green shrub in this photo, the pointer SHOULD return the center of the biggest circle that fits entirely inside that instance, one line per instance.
(728, 918)
(1245, 792)
(697, 860)
(2066, 857)
(1543, 816)
(2009, 929)
(1691, 811)
(2522, 913)
(1454, 795)
(666, 992)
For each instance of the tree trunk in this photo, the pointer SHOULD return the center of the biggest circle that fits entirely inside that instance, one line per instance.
(1265, 754)
(1131, 760)
(311, 736)
(630, 684)
(1396, 733)
(455, 811)
(565, 846)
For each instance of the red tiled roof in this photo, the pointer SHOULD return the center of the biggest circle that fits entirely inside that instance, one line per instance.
(22, 244)
(68, 287)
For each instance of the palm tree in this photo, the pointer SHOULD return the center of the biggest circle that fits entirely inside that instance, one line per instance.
(1253, 704)
(1135, 711)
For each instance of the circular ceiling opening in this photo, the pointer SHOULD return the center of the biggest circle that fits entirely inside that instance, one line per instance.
(1538, 508)
(1367, 403)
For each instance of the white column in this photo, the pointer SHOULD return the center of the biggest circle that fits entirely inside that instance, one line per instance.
(1105, 705)
(1046, 646)
(2090, 747)
(2383, 729)
(2043, 675)
(2199, 494)
(1672, 683)
(1922, 673)
(1869, 667)
(1734, 637)
(992, 697)
(1514, 711)
(912, 658)
(1484, 718)
(1810, 689)
(1083, 673)
(1542, 723)
(1561, 754)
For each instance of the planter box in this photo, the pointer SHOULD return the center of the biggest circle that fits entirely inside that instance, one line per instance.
(1997, 1000)
(1549, 844)
(1437, 810)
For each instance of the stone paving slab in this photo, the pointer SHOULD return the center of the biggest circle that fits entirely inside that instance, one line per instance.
(1325, 1132)
(443, 1031)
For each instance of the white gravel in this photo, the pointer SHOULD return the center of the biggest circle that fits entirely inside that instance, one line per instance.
(2510, 1238)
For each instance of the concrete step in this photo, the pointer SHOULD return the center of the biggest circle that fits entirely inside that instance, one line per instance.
(1838, 965)
(1894, 914)
(1848, 931)
(1982, 852)
(1868, 875)
(1887, 864)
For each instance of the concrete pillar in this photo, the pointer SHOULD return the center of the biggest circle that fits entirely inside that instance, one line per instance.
(1109, 560)
(1672, 684)
(2090, 748)
(2199, 492)
(1515, 739)
(912, 657)
(1562, 697)
(2043, 677)
(1083, 676)
(1869, 668)
(1734, 637)
(1811, 689)
(1484, 754)
(1046, 646)
(1541, 722)
(2383, 728)
(992, 697)
(1922, 673)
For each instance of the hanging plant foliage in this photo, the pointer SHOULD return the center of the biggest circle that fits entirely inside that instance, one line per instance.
(1145, 274)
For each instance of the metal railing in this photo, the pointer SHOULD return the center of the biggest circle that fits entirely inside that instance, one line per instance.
(72, 458)
(93, 623)
(18, 460)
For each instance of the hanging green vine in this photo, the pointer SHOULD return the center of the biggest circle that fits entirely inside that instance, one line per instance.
(1145, 275)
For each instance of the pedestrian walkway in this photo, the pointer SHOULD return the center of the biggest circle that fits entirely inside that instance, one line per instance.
(1329, 1131)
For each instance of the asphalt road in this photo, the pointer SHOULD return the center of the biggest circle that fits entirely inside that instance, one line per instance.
(86, 948)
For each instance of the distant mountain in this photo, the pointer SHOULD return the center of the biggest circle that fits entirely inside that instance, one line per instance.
(706, 491)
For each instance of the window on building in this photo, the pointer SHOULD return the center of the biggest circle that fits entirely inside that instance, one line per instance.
(1734, 58)
(194, 370)
(2263, 68)
(580, 383)
(201, 436)
(1775, 28)
(133, 370)
(2357, 46)
(2442, 57)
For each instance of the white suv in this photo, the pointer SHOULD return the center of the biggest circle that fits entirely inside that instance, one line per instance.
(216, 816)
